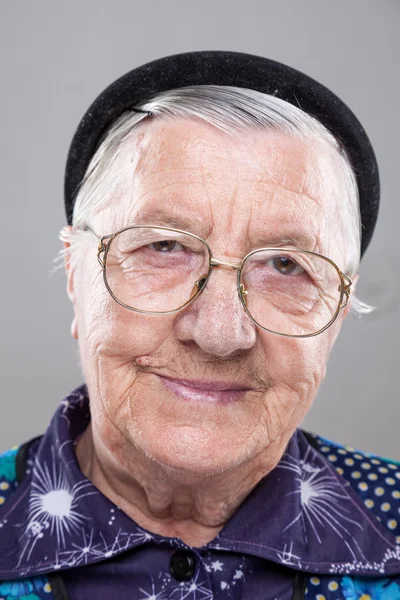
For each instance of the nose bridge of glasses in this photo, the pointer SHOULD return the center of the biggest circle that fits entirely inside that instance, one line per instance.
(200, 284)
(215, 262)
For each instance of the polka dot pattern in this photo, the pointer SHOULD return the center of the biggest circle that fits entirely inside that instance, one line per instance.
(333, 586)
(365, 465)
(8, 476)
(324, 588)
(375, 480)
(377, 484)
(352, 588)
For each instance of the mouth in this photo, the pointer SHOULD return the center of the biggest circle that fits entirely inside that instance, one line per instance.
(204, 391)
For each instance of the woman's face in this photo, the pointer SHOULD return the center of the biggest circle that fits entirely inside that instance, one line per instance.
(204, 389)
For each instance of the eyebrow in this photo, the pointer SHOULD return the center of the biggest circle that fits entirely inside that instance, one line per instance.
(281, 239)
(189, 223)
(193, 224)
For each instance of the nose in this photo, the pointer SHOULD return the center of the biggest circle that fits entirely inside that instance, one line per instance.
(217, 321)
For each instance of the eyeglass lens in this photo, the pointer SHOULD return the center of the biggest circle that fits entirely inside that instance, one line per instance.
(294, 293)
(155, 270)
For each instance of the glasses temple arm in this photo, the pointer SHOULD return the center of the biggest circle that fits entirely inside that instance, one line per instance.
(87, 228)
(346, 285)
(100, 248)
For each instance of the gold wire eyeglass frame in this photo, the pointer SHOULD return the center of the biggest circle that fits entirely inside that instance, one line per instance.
(106, 240)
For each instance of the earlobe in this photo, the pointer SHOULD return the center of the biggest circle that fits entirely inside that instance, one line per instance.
(70, 275)
(74, 328)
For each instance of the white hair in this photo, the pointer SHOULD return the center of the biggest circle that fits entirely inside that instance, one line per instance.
(231, 110)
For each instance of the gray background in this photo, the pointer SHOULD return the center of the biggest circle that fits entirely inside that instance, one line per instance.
(57, 56)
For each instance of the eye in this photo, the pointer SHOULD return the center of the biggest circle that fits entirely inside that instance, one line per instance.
(166, 246)
(286, 266)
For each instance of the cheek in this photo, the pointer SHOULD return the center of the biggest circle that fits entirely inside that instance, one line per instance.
(298, 364)
(297, 368)
(108, 329)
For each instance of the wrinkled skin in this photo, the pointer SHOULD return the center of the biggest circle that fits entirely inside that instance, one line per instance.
(181, 467)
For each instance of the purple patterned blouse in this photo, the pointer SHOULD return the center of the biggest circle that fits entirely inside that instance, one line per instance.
(323, 524)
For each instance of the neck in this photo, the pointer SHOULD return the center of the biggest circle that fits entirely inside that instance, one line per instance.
(164, 501)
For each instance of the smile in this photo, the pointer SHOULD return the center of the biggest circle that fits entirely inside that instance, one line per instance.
(199, 391)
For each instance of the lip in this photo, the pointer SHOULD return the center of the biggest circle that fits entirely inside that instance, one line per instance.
(204, 391)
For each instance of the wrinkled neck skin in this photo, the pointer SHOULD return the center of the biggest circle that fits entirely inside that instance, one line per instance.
(193, 507)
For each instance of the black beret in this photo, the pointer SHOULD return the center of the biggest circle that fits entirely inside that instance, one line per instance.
(231, 69)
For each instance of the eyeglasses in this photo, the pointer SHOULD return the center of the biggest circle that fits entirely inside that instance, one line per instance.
(160, 270)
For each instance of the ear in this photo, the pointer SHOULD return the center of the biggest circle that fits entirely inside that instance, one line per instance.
(347, 308)
(69, 269)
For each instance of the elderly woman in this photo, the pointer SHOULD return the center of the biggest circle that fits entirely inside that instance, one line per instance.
(215, 203)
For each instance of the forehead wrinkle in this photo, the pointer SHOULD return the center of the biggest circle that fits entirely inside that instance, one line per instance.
(206, 184)
(166, 185)
(199, 177)
(168, 149)
(169, 169)
(276, 190)
(156, 199)
(278, 201)
(285, 222)
(249, 221)
(230, 223)
(194, 186)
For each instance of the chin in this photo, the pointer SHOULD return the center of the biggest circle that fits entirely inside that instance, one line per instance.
(189, 469)
(191, 459)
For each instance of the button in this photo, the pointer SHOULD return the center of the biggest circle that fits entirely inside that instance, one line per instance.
(182, 565)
